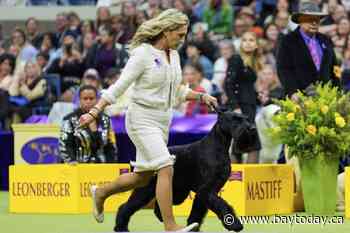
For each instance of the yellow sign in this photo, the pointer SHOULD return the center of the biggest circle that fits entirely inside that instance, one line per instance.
(61, 188)
(35, 143)
(261, 189)
(347, 192)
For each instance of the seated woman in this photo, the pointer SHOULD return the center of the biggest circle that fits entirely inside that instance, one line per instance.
(26, 91)
(93, 144)
(7, 67)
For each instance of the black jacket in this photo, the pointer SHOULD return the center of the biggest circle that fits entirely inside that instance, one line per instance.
(295, 67)
(85, 146)
(240, 83)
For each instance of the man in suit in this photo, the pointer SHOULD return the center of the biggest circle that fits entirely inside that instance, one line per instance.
(306, 56)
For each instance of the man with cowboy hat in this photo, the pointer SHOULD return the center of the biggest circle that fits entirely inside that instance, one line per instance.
(306, 56)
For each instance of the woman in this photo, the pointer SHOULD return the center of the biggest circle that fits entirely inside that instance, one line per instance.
(26, 90)
(194, 76)
(7, 68)
(240, 81)
(154, 68)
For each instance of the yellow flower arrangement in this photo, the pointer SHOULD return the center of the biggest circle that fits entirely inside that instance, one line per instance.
(316, 125)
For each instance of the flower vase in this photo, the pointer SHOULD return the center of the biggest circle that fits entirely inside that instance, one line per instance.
(319, 184)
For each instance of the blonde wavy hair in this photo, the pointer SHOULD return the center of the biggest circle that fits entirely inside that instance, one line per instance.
(168, 20)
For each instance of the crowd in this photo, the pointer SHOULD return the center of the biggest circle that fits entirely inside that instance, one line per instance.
(42, 72)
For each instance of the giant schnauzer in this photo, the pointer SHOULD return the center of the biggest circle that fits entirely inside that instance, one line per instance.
(202, 167)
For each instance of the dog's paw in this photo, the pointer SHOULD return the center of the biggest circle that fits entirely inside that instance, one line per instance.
(120, 229)
(235, 226)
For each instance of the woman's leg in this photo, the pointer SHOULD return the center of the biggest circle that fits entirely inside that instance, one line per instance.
(164, 195)
(123, 183)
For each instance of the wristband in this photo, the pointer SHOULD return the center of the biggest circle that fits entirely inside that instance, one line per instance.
(97, 109)
(94, 116)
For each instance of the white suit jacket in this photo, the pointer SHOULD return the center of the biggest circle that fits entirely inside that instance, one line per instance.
(157, 84)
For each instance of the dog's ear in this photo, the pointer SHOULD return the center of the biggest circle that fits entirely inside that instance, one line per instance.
(240, 115)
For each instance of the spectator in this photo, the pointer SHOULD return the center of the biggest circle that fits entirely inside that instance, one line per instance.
(25, 51)
(88, 27)
(118, 28)
(282, 22)
(335, 11)
(198, 7)
(193, 76)
(33, 34)
(165, 4)
(219, 16)
(48, 46)
(42, 59)
(94, 144)
(248, 16)
(7, 68)
(26, 91)
(69, 66)
(61, 24)
(200, 36)
(221, 64)
(105, 55)
(103, 18)
(239, 83)
(90, 78)
(73, 26)
(305, 56)
(194, 56)
(152, 8)
(129, 18)
(240, 27)
(86, 44)
(341, 38)
(182, 6)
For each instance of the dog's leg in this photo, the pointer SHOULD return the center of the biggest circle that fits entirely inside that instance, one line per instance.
(222, 209)
(198, 212)
(138, 199)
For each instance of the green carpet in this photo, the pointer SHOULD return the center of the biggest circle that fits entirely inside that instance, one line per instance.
(143, 221)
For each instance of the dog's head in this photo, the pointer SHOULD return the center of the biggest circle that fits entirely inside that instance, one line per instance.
(244, 133)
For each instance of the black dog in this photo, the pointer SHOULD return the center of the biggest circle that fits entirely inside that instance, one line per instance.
(202, 167)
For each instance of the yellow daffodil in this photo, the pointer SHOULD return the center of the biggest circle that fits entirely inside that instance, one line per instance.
(290, 116)
(339, 121)
(337, 114)
(311, 129)
(337, 71)
(324, 109)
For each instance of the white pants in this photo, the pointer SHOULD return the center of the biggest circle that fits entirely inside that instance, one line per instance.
(148, 129)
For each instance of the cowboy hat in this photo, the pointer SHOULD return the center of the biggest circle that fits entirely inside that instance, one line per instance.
(307, 8)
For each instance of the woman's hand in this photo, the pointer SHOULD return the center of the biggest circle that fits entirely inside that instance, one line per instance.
(85, 120)
(209, 100)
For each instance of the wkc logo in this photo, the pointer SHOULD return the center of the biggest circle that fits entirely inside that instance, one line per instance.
(41, 150)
